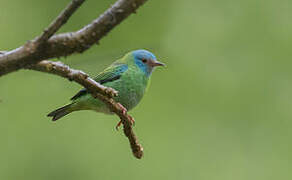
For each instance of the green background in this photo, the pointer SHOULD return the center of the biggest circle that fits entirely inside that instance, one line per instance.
(221, 110)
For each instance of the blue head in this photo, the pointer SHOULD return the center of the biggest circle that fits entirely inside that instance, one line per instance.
(146, 61)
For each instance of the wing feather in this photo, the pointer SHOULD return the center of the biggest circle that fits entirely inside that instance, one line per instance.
(110, 74)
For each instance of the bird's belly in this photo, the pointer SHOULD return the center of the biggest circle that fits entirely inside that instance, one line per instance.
(130, 94)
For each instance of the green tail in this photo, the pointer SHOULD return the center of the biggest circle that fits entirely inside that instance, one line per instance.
(58, 113)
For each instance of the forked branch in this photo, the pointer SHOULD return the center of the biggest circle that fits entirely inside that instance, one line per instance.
(33, 55)
(67, 43)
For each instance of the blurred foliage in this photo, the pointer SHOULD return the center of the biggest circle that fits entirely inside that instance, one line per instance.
(221, 109)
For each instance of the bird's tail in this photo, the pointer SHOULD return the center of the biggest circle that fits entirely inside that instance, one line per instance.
(62, 111)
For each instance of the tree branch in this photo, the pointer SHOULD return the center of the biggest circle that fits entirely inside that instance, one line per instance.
(59, 21)
(48, 45)
(97, 91)
(67, 43)
(58, 68)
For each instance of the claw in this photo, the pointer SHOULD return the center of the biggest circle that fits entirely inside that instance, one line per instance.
(118, 125)
(124, 111)
(132, 120)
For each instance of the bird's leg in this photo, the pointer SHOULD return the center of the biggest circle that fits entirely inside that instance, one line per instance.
(124, 111)
(118, 125)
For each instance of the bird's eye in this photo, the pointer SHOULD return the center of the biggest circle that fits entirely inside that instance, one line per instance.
(144, 60)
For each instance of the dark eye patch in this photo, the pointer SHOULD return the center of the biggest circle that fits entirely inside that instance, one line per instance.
(144, 60)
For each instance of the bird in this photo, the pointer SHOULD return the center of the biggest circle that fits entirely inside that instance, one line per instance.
(129, 75)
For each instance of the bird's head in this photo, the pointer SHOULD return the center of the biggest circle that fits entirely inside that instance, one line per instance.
(145, 61)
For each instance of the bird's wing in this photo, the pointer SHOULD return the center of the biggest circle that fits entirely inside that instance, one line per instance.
(112, 73)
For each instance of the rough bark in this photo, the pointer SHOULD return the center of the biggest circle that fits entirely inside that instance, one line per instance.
(33, 54)
(68, 43)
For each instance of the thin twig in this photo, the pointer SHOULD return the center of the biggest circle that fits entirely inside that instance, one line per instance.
(97, 91)
(59, 21)
(49, 45)
(68, 43)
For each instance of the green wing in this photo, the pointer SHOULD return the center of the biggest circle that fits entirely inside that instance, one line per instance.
(112, 73)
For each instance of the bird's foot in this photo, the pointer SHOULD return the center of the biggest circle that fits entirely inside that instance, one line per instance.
(124, 111)
(132, 120)
(118, 125)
